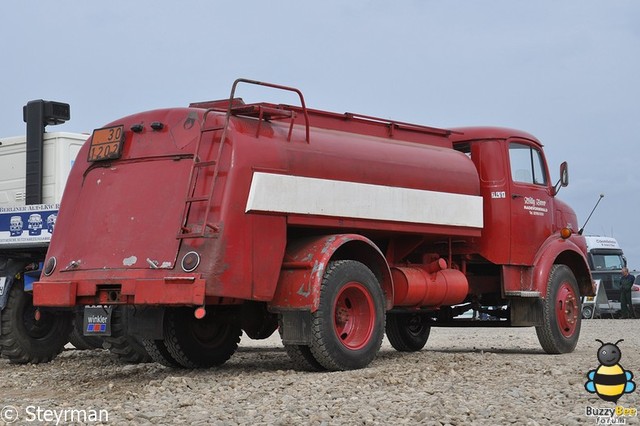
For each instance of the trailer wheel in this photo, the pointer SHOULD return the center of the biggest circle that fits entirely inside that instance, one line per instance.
(24, 339)
(200, 343)
(124, 346)
(159, 353)
(587, 312)
(348, 326)
(561, 312)
(407, 332)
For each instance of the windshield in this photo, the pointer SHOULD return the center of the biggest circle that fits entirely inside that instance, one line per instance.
(607, 261)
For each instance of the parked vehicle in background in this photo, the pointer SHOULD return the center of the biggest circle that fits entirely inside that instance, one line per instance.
(33, 173)
(635, 293)
(28, 335)
(606, 260)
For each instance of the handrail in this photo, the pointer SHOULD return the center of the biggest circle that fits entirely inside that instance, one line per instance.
(273, 86)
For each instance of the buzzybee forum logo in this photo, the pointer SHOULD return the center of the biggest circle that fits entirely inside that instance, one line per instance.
(610, 381)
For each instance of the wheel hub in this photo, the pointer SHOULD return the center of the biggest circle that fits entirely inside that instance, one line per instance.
(354, 317)
(567, 312)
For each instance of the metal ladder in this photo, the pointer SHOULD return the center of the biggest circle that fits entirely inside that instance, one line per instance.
(199, 230)
(199, 167)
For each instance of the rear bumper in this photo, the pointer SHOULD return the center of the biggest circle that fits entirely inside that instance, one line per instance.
(166, 291)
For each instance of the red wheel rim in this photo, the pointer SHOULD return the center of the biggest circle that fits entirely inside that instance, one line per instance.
(567, 310)
(354, 316)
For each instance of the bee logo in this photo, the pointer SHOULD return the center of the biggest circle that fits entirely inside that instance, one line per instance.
(609, 380)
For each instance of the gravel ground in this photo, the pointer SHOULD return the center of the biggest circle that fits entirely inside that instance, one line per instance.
(463, 376)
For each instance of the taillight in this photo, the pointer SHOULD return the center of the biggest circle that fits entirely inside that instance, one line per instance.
(635, 287)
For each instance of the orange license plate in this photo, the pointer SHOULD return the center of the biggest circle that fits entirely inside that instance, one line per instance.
(106, 144)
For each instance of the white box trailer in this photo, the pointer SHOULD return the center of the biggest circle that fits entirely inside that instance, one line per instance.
(25, 233)
(31, 225)
(60, 151)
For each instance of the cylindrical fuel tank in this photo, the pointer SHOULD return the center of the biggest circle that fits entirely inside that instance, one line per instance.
(414, 286)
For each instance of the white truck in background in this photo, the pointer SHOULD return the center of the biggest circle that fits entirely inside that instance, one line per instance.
(606, 260)
(33, 173)
(27, 334)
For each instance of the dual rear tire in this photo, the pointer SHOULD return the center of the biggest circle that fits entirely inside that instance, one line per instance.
(348, 327)
(194, 343)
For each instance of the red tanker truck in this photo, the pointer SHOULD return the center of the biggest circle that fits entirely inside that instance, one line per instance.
(332, 228)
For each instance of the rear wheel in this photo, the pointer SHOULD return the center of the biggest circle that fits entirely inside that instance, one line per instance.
(561, 312)
(159, 353)
(407, 332)
(23, 338)
(348, 326)
(200, 343)
(123, 345)
(301, 356)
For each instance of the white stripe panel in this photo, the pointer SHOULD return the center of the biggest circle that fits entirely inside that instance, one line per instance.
(303, 195)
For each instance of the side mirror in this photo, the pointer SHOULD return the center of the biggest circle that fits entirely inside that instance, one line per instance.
(564, 177)
(564, 174)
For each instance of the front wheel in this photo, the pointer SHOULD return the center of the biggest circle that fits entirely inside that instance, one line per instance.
(348, 326)
(561, 312)
(29, 338)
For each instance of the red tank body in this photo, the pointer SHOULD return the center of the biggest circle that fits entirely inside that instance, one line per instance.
(259, 208)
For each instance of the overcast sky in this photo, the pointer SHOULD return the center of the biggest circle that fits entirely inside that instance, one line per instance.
(566, 71)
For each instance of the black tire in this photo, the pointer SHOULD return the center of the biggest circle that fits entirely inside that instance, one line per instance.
(407, 332)
(25, 340)
(77, 337)
(159, 353)
(124, 346)
(561, 312)
(301, 356)
(348, 327)
(587, 311)
(199, 343)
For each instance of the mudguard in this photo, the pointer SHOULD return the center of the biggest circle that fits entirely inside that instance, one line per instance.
(557, 250)
(9, 268)
(6, 281)
(305, 263)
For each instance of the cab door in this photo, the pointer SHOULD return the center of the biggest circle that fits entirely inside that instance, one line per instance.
(531, 209)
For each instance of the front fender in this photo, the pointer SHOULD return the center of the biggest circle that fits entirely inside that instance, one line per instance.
(306, 261)
(568, 252)
(8, 271)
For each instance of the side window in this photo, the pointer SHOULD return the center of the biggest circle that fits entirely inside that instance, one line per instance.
(526, 164)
